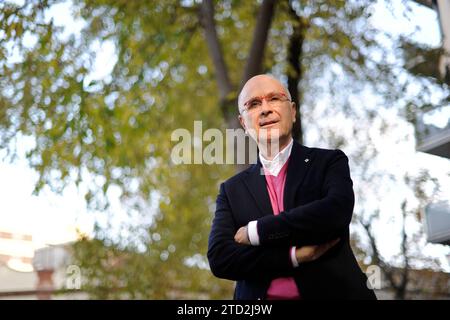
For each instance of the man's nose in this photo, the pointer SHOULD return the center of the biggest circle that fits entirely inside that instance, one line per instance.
(265, 107)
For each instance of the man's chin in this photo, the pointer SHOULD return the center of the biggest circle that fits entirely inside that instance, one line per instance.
(269, 135)
(271, 129)
(269, 139)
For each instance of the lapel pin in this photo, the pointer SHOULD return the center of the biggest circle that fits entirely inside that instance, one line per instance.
(306, 160)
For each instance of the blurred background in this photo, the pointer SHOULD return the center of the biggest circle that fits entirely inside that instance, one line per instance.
(92, 205)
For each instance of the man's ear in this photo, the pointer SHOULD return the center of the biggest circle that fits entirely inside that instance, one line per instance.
(295, 111)
(241, 120)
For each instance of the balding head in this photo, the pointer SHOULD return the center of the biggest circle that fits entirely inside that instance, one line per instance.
(272, 116)
(258, 86)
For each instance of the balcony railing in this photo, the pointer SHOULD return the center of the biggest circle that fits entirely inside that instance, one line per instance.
(437, 222)
(434, 139)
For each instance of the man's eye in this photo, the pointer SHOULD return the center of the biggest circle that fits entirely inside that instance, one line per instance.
(275, 98)
(254, 104)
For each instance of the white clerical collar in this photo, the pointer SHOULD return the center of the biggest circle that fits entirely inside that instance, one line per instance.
(274, 166)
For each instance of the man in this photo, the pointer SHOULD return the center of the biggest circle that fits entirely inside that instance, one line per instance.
(281, 227)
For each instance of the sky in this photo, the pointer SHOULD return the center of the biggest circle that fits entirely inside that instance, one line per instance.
(52, 218)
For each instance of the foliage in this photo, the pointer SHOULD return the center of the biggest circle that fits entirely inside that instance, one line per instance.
(114, 132)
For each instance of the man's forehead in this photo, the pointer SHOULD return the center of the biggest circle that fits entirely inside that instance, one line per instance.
(261, 85)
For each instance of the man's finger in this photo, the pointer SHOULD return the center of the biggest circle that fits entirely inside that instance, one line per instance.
(326, 246)
(333, 242)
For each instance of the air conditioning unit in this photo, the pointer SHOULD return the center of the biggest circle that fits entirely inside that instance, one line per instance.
(50, 258)
(437, 222)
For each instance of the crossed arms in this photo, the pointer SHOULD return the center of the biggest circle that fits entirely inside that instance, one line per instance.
(316, 223)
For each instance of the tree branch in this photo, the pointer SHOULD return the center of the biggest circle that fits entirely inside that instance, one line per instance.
(255, 58)
(294, 72)
(206, 18)
(404, 279)
(376, 257)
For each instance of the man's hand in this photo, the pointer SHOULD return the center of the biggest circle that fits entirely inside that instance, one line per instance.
(241, 236)
(311, 253)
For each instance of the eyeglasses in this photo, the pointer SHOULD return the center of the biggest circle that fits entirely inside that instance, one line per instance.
(273, 99)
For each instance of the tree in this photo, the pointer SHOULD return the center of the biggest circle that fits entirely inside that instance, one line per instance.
(399, 278)
(171, 59)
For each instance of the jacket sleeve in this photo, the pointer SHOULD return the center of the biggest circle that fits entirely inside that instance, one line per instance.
(318, 221)
(231, 260)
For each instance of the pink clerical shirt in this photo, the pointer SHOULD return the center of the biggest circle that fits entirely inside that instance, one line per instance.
(280, 288)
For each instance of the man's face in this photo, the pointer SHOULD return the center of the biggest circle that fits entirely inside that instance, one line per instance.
(266, 110)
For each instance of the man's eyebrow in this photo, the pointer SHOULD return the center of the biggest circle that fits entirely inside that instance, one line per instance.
(267, 94)
(251, 98)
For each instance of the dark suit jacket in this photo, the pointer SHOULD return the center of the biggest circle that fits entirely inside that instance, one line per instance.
(318, 203)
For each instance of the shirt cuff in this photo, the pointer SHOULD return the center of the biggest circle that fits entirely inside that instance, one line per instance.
(253, 233)
(294, 257)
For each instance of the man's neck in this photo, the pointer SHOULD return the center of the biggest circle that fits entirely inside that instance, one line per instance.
(268, 151)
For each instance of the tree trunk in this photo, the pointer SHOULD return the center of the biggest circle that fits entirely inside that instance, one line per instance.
(256, 56)
(294, 71)
(206, 17)
(228, 103)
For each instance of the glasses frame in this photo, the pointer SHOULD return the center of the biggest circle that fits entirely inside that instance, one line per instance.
(262, 98)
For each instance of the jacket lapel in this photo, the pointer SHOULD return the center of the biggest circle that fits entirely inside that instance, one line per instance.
(256, 185)
(255, 181)
(299, 162)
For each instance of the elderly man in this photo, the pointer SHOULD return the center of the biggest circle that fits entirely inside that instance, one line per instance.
(281, 227)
